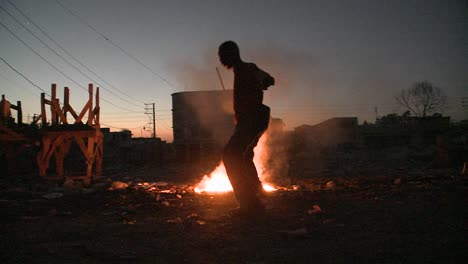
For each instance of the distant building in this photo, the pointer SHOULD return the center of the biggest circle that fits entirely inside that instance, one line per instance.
(202, 124)
(394, 130)
(330, 133)
(120, 147)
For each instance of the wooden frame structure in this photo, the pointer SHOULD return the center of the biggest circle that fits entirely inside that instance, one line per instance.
(58, 136)
(12, 142)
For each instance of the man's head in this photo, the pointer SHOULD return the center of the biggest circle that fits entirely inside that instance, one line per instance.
(229, 54)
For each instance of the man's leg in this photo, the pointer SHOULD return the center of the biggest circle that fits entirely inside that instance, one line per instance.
(259, 126)
(251, 170)
(240, 170)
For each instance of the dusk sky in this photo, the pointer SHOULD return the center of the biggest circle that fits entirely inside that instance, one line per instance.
(329, 58)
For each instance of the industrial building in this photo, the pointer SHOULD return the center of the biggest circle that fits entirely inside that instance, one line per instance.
(202, 124)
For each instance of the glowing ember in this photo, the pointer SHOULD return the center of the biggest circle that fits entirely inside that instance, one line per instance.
(268, 187)
(218, 182)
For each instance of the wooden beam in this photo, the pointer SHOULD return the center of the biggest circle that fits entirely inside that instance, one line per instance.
(36, 118)
(66, 101)
(70, 109)
(97, 109)
(91, 156)
(19, 113)
(90, 112)
(52, 106)
(83, 112)
(43, 111)
(61, 116)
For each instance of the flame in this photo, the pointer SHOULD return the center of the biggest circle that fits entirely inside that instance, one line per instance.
(218, 182)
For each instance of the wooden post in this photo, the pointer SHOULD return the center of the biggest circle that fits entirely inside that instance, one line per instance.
(99, 153)
(43, 111)
(98, 110)
(66, 100)
(19, 113)
(67, 105)
(90, 160)
(90, 112)
(52, 108)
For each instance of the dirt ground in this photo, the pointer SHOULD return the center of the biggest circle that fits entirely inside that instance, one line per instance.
(415, 218)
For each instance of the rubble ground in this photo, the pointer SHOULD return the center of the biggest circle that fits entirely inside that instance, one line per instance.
(414, 218)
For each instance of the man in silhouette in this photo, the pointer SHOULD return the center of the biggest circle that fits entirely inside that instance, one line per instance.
(251, 120)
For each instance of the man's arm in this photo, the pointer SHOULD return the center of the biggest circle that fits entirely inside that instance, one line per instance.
(265, 79)
(268, 81)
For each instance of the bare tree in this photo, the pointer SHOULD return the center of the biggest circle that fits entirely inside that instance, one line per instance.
(422, 98)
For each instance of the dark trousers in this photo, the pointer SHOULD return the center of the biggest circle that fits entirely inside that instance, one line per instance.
(238, 156)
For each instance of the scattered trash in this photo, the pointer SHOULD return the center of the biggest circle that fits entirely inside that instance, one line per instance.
(330, 185)
(315, 210)
(201, 222)
(176, 220)
(166, 203)
(179, 196)
(117, 185)
(69, 183)
(193, 216)
(397, 181)
(52, 195)
(160, 184)
(129, 222)
(168, 191)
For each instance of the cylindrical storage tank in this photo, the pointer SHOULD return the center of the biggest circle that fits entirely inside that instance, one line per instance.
(202, 123)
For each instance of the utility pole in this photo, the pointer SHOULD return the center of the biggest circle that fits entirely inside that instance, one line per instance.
(150, 112)
(154, 123)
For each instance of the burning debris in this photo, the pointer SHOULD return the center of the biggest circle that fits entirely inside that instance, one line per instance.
(218, 182)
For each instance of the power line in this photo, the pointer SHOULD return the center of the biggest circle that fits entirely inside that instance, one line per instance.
(164, 124)
(57, 69)
(22, 75)
(122, 113)
(69, 54)
(174, 88)
(113, 126)
(124, 117)
(122, 128)
(40, 56)
(28, 89)
(123, 121)
(65, 60)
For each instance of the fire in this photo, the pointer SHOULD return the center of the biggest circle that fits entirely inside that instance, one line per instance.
(218, 182)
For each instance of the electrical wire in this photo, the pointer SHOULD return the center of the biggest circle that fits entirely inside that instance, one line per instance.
(22, 75)
(28, 89)
(68, 53)
(57, 69)
(174, 88)
(65, 60)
